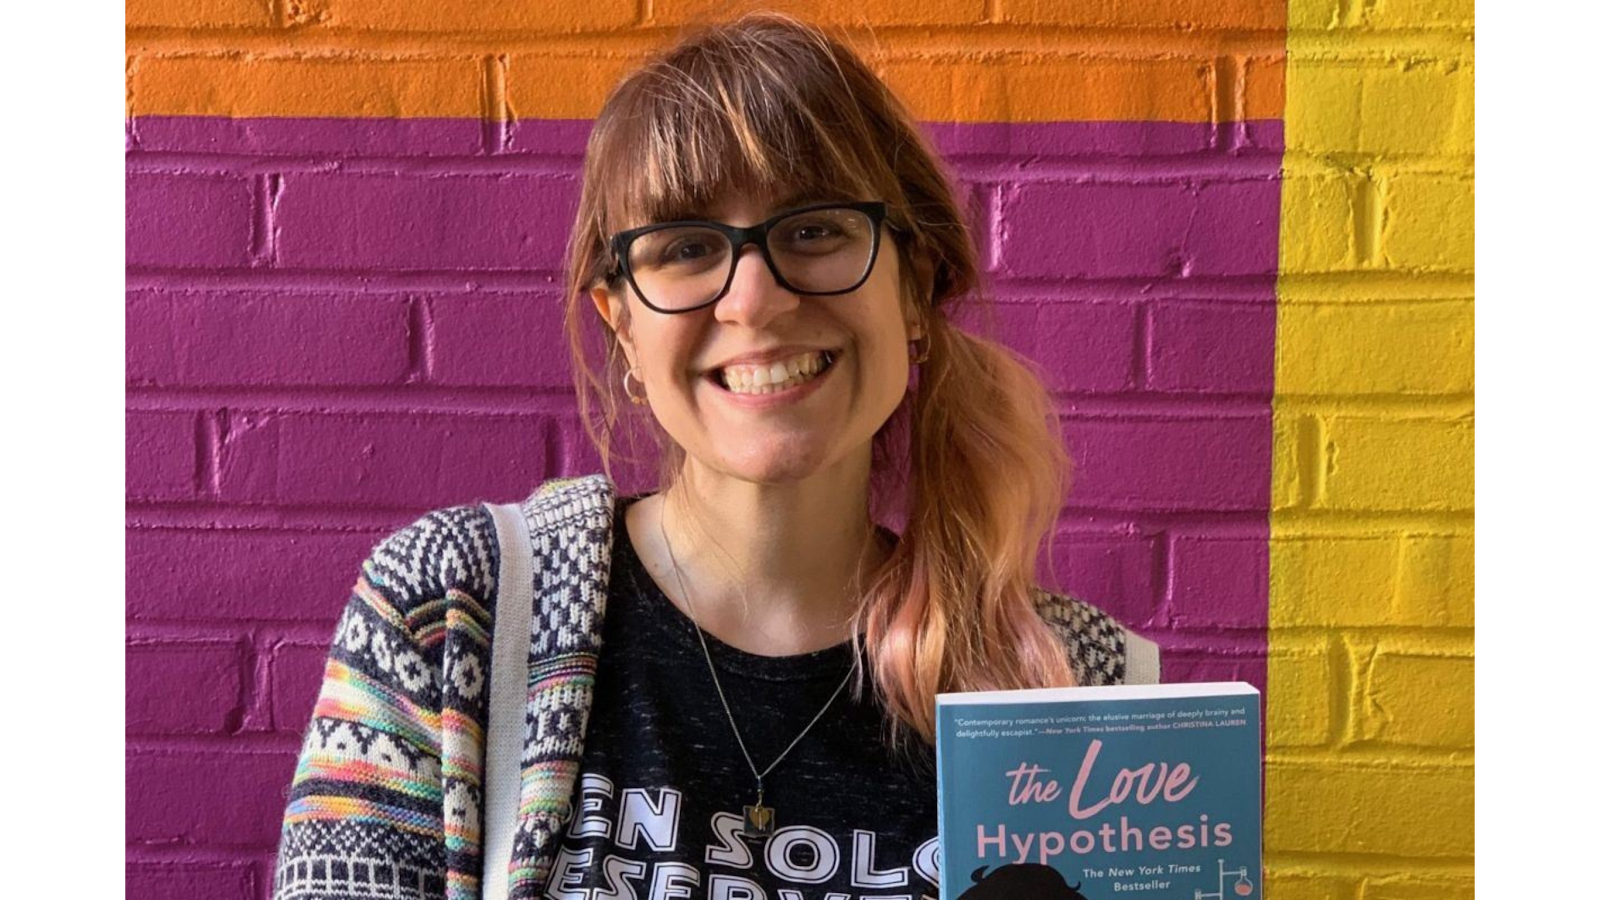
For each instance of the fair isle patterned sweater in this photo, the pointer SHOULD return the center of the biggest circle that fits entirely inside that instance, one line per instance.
(387, 797)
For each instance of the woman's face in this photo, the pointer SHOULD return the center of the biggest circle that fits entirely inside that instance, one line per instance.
(825, 421)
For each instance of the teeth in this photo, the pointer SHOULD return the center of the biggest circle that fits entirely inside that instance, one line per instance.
(776, 377)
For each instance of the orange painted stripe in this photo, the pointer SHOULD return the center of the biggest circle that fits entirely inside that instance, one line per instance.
(1140, 80)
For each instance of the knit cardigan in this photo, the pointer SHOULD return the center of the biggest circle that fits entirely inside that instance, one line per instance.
(386, 800)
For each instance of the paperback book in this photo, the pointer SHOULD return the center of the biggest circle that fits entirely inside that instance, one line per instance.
(1140, 791)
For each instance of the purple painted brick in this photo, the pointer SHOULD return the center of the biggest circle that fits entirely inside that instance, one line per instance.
(504, 340)
(200, 221)
(380, 459)
(1213, 348)
(1235, 227)
(263, 338)
(1204, 665)
(151, 340)
(1112, 572)
(241, 575)
(1120, 229)
(219, 797)
(1219, 581)
(162, 455)
(184, 688)
(191, 881)
(418, 221)
(296, 678)
(549, 137)
(1086, 347)
(1217, 463)
(295, 136)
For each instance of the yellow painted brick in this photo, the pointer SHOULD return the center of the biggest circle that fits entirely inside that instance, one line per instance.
(1301, 681)
(1324, 14)
(1418, 887)
(1318, 221)
(1381, 107)
(1425, 108)
(1307, 885)
(1428, 221)
(825, 12)
(1288, 489)
(1408, 580)
(1412, 108)
(1322, 580)
(1437, 578)
(1418, 13)
(1315, 15)
(297, 86)
(1373, 463)
(198, 13)
(476, 15)
(1409, 696)
(1343, 807)
(585, 83)
(1379, 348)
(1323, 111)
(1466, 135)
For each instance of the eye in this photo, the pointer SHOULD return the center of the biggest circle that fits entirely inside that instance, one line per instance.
(687, 251)
(813, 231)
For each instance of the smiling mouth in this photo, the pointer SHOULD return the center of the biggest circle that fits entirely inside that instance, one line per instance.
(719, 378)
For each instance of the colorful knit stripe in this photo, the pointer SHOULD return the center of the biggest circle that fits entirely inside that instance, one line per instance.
(347, 771)
(332, 807)
(350, 695)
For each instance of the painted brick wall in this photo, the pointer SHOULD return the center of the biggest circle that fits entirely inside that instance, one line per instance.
(344, 221)
(1370, 731)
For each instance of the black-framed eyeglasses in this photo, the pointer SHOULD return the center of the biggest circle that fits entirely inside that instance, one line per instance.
(818, 250)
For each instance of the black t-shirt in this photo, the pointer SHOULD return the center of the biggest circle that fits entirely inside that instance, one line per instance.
(659, 803)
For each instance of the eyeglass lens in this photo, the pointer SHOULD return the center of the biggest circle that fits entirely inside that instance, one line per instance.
(816, 251)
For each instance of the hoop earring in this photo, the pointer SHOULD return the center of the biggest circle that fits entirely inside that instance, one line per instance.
(637, 401)
(921, 354)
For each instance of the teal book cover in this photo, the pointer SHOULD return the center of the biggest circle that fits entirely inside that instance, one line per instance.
(1140, 791)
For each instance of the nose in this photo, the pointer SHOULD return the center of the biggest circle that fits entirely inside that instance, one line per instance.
(754, 298)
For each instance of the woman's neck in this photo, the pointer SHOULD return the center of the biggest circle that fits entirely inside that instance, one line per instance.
(774, 570)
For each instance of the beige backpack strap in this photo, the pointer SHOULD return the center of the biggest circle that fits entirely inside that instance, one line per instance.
(508, 696)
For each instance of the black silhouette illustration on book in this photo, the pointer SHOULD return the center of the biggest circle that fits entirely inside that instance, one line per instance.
(1021, 881)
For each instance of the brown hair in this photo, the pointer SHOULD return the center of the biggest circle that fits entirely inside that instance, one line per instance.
(972, 458)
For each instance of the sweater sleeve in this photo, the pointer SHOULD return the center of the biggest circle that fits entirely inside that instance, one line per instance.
(365, 814)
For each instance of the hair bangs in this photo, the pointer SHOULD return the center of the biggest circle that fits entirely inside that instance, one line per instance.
(697, 132)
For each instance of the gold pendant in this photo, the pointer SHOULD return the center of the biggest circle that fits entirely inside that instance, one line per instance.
(759, 821)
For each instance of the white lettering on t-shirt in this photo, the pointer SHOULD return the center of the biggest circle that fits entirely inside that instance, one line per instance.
(927, 861)
(674, 881)
(730, 849)
(617, 872)
(862, 860)
(594, 790)
(735, 887)
(566, 876)
(657, 821)
(824, 851)
(648, 821)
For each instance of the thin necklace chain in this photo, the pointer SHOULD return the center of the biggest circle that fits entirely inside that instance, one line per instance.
(760, 776)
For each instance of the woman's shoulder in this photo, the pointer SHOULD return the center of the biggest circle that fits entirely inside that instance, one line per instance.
(1103, 650)
(456, 548)
(452, 548)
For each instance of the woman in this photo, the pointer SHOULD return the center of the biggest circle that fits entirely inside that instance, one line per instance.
(768, 251)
